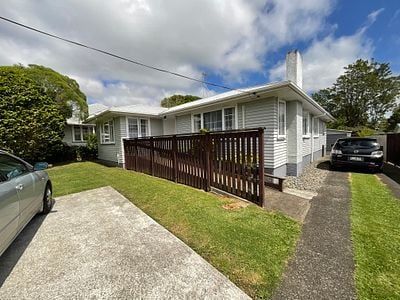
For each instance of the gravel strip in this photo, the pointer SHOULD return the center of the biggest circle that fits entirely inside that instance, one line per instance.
(311, 179)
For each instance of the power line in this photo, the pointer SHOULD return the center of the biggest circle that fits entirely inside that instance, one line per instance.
(122, 58)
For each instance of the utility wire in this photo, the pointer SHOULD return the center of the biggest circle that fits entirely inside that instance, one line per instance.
(123, 58)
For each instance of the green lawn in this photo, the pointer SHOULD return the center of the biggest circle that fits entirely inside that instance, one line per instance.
(375, 221)
(249, 245)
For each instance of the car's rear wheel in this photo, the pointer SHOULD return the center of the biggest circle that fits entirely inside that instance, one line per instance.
(47, 200)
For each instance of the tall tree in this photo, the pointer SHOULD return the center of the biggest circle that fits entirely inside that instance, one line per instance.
(33, 110)
(177, 100)
(362, 95)
(394, 119)
(64, 90)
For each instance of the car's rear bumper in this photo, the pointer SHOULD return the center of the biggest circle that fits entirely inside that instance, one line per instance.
(367, 161)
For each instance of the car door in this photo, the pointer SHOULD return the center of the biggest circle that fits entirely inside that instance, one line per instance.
(9, 205)
(25, 184)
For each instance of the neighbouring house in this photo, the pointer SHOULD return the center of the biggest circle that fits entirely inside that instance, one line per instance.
(332, 135)
(295, 125)
(76, 130)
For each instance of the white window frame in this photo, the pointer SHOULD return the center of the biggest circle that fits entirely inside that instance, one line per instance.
(235, 121)
(315, 119)
(282, 136)
(307, 135)
(82, 140)
(102, 134)
(138, 124)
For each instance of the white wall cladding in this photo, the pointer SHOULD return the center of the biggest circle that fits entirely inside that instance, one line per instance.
(183, 124)
(109, 152)
(264, 113)
(156, 127)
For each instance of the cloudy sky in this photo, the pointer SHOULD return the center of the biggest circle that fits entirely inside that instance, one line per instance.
(231, 42)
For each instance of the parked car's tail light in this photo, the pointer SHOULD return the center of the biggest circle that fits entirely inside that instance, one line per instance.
(335, 151)
(377, 153)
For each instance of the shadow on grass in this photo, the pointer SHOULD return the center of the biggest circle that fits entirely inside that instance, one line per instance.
(14, 252)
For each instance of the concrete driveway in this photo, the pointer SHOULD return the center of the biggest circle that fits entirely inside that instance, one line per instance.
(97, 244)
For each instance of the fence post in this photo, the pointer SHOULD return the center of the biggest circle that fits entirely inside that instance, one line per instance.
(136, 154)
(207, 161)
(174, 161)
(261, 164)
(152, 156)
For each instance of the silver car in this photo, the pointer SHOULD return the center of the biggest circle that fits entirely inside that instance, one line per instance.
(25, 190)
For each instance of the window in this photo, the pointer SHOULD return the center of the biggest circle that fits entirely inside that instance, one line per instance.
(223, 119)
(196, 122)
(306, 123)
(138, 127)
(81, 133)
(315, 127)
(213, 120)
(133, 131)
(321, 128)
(11, 168)
(107, 132)
(281, 119)
(143, 127)
(77, 134)
(229, 118)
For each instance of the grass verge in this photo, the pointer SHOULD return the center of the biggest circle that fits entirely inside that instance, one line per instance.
(375, 221)
(249, 245)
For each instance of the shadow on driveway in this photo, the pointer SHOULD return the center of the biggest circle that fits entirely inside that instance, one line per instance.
(12, 255)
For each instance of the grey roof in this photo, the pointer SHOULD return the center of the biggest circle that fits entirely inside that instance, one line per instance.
(231, 95)
(93, 110)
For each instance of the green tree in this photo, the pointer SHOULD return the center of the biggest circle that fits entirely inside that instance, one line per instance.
(177, 100)
(362, 95)
(33, 110)
(394, 119)
(64, 90)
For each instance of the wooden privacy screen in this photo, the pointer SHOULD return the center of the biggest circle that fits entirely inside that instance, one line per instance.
(393, 148)
(232, 161)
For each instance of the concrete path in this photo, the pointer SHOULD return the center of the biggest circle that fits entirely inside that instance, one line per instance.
(323, 266)
(98, 245)
(288, 204)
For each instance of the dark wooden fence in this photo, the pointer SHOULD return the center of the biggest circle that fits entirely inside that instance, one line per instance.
(231, 161)
(393, 148)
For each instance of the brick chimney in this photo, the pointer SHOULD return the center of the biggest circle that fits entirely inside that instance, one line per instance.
(294, 67)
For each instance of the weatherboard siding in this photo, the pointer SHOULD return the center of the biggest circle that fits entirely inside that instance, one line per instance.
(183, 124)
(109, 152)
(263, 113)
(156, 127)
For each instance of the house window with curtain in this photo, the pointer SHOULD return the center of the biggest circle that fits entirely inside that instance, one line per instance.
(132, 128)
(223, 119)
(107, 132)
(229, 118)
(213, 120)
(138, 127)
(143, 127)
(306, 124)
(281, 119)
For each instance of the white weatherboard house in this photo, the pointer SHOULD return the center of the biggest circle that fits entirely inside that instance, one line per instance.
(76, 131)
(295, 125)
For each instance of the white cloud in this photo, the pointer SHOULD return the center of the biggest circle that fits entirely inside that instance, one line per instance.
(324, 60)
(226, 37)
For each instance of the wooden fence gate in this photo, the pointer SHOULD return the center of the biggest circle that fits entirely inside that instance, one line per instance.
(393, 148)
(232, 161)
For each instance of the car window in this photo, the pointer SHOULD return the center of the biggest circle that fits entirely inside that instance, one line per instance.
(11, 167)
(358, 143)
